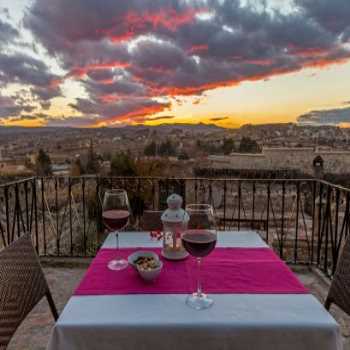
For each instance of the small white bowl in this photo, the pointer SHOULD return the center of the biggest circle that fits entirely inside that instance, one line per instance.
(141, 253)
(150, 275)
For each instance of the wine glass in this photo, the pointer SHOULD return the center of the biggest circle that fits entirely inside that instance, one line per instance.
(115, 215)
(200, 240)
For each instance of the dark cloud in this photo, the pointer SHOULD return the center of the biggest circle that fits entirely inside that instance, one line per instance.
(12, 107)
(5, 12)
(28, 71)
(128, 53)
(111, 90)
(33, 73)
(8, 107)
(162, 117)
(117, 20)
(7, 33)
(218, 119)
(332, 15)
(101, 75)
(334, 116)
(123, 110)
(71, 121)
(25, 69)
(25, 117)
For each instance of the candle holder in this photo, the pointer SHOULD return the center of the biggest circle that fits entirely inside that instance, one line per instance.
(175, 220)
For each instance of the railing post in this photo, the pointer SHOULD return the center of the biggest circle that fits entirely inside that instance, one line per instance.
(17, 211)
(27, 204)
(282, 219)
(57, 218)
(347, 215)
(98, 209)
(35, 215)
(43, 212)
(84, 215)
(335, 238)
(319, 238)
(327, 223)
(211, 201)
(195, 191)
(225, 191)
(139, 199)
(70, 214)
(253, 207)
(154, 195)
(239, 205)
(6, 194)
(296, 224)
(268, 211)
(313, 221)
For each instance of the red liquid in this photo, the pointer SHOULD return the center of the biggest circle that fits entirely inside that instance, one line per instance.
(199, 243)
(115, 219)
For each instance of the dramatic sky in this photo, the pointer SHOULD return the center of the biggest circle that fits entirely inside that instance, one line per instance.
(229, 62)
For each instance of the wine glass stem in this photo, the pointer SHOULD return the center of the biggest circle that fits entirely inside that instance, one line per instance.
(117, 239)
(199, 284)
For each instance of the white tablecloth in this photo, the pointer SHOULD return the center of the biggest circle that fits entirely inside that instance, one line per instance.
(156, 322)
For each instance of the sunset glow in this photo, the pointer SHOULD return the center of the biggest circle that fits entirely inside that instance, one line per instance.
(226, 62)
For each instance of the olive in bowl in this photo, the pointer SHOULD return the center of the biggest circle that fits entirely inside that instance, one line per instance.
(149, 269)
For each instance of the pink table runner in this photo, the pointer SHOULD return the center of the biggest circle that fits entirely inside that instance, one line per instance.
(225, 271)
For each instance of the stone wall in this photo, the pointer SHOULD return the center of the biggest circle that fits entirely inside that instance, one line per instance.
(301, 158)
(239, 161)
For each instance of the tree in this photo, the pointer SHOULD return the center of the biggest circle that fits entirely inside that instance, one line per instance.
(166, 148)
(106, 155)
(151, 168)
(76, 168)
(43, 164)
(28, 164)
(150, 149)
(92, 164)
(123, 165)
(228, 146)
(248, 145)
(183, 156)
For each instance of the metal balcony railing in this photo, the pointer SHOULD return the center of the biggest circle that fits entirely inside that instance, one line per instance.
(305, 220)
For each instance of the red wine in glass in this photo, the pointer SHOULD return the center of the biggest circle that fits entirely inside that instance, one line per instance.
(115, 216)
(199, 243)
(200, 240)
(115, 220)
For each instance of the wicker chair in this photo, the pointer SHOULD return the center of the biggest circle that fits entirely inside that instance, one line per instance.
(22, 286)
(150, 220)
(339, 292)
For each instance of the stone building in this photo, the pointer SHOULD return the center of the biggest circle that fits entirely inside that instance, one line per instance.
(293, 158)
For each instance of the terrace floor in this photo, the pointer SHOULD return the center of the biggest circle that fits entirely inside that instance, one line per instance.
(64, 276)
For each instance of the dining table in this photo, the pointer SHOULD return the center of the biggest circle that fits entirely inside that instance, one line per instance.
(110, 314)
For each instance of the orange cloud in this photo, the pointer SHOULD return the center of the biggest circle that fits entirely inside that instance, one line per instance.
(80, 72)
(197, 49)
(137, 113)
(110, 98)
(135, 23)
(260, 62)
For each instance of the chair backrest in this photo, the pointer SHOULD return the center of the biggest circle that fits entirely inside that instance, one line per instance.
(198, 220)
(339, 292)
(150, 220)
(22, 285)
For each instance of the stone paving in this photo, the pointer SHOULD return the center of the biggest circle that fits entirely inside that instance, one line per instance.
(34, 332)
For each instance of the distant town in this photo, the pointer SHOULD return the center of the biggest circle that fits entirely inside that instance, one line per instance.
(176, 150)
